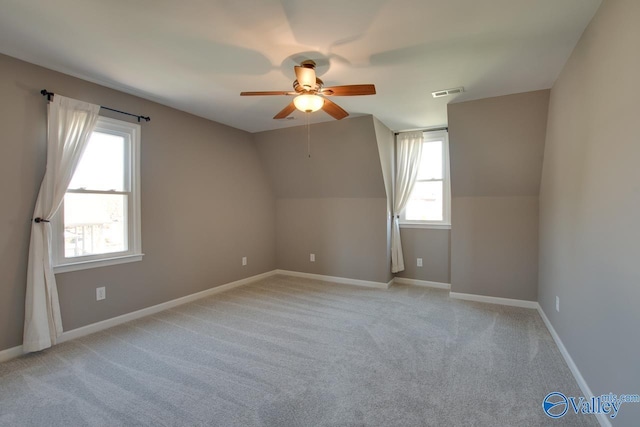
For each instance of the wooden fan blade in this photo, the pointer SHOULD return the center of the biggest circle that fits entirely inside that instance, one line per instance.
(334, 110)
(306, 77)
(267, 93)
(349, 90)
(285, 111)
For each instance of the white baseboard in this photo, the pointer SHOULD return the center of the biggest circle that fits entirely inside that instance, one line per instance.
(114, 321)
(13, 352)
(341, 280)
(105, 324)
(10, 353)
(426, 283)
(495, 300)
(584, 387)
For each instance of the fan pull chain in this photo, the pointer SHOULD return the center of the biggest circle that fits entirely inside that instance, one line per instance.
(308, 135)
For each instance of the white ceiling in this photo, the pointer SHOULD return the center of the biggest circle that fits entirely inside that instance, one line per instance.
(198, 55)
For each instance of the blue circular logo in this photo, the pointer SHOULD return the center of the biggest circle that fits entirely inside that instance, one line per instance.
(555, 404)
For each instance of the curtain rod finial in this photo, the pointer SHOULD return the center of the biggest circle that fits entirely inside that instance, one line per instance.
(46, 93)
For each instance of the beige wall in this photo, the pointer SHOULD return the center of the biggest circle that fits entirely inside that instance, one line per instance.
(206, 202)
(496, 151)
(494, 243)
(347, 236)
(432, 245)
(590, 205)
(333, 204)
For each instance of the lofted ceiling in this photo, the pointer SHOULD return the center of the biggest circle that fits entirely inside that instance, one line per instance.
(198, 55)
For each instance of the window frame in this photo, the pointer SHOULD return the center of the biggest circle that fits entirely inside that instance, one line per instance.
(446, 183)
(61, 264)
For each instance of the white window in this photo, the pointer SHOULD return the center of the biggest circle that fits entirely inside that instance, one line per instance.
(430, 203)
(98, 223)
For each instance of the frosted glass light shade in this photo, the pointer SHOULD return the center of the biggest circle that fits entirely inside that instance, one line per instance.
(308, 103)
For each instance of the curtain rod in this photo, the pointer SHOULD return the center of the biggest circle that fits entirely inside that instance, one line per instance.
(425, 130)
(48, 94)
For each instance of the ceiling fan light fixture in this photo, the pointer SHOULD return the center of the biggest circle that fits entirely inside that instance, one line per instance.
(310, 93)
(308, 103)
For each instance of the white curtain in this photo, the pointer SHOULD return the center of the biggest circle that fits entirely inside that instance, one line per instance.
(409, 150)
(69, 128)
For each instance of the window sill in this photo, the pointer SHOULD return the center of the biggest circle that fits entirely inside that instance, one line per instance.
(85, 265)
(425, 225)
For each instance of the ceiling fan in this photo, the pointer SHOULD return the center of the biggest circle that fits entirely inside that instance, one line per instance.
(310, 93)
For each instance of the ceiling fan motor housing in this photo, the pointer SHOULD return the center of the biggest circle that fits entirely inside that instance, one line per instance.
(309, 63)
(299, 88)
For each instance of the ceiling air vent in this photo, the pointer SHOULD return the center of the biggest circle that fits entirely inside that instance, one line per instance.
(447, 92)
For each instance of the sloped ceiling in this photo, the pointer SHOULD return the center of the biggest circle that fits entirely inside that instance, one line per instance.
(198, 55)
(496, 145)
(344, 160)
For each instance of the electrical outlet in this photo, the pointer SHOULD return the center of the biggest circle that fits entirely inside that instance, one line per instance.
(419, 262)
(101, 293)
(244, 260)
(312, 257)
(557, 304)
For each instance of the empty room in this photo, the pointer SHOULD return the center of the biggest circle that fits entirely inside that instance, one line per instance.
(320, 213)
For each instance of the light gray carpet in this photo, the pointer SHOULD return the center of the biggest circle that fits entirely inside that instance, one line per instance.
(295, 352)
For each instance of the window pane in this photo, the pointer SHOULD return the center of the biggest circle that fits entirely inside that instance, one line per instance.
(102, 164)
(94, 224)
(426, 203)
(431, 161)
